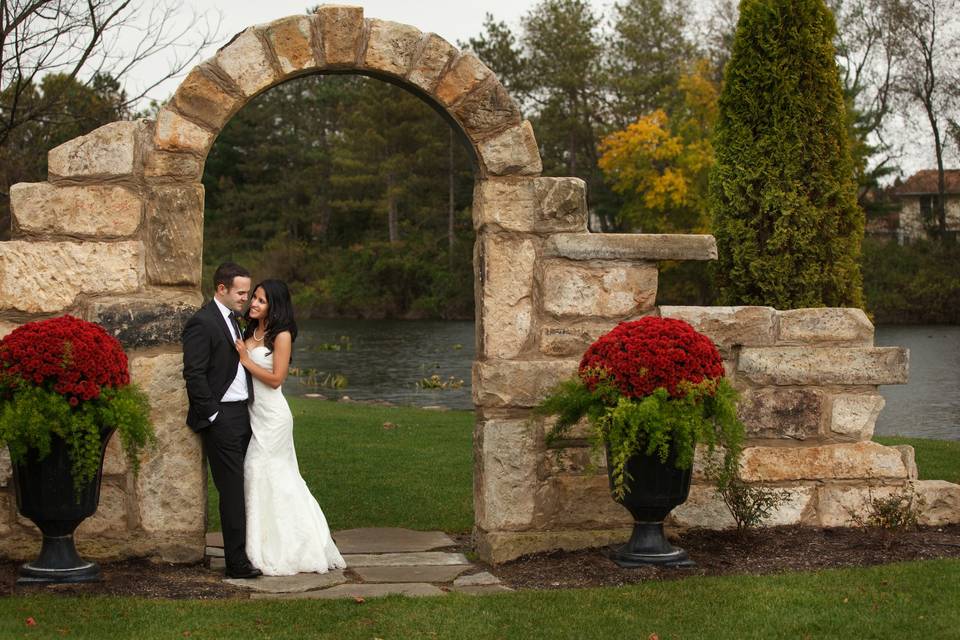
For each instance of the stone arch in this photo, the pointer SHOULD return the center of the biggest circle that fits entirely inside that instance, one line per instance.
(115, 236)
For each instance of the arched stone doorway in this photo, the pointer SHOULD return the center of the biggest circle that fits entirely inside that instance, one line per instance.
(115, 236)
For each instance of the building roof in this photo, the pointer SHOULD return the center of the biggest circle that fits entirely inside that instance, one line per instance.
(924, 182)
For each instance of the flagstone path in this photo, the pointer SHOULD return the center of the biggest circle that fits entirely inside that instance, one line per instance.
(380, 562)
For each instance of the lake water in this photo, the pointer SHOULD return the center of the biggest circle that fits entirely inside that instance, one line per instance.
(387, 358)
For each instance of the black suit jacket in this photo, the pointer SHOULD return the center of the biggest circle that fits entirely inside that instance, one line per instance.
(210, 362)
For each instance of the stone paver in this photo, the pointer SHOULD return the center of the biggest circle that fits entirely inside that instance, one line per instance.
(481, 589)
(434, 573)
(215, 552)
(404, 559)
(215, 539)
(390, 540)
(358, 591)
(217, 563)
(300, 583)
(476, 579)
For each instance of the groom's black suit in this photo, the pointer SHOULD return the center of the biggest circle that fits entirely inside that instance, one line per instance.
(210, 362)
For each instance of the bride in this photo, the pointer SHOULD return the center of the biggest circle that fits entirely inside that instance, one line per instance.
(287, 532)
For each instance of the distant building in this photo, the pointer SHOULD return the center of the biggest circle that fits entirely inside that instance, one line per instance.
(917, 219)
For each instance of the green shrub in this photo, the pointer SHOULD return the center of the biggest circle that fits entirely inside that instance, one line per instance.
(917, 283)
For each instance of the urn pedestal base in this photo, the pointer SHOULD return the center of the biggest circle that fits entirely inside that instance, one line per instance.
(59, 562)
(648, 546)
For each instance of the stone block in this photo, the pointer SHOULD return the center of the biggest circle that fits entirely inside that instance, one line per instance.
(497, 547)
(176, 133)
(341, 29)
(505, 383)
(464, 75)
(860, 460)
(561, 205)
(729, 327)
(814, 326)
(508, 474)
(487, 111)
(201, 97)
(507, 312)
(704, 508)
(854, 415)
(175, 234)
(824, 365)
(291, 39)
(579, 501)
(603, 289)
(171, 485)
(842, 505)
(781, 413)
(48, 277)
(6, 328)
(941, 502)
(95, 211)
(107, 152)
(144, 320)
(111, 515)
(164, 164)
(6, 470)
(631, 246)
(572, 461)
(513, 152)
(571, 339)
(909, 457)
(434, 56)
(114, 459)
(5, 506)
(390, 46)
(247, 63)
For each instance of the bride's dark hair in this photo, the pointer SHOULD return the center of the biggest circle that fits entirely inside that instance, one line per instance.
(279, 313)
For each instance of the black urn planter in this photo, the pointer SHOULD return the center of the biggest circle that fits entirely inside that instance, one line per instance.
(654, 488)
(45, 495)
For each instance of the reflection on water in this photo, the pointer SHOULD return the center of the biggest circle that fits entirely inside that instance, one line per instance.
(385, 359)
(928, 406)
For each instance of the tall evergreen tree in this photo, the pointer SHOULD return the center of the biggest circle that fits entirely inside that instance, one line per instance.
(786, 218)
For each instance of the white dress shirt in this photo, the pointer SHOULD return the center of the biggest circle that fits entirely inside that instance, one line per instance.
(237, 391)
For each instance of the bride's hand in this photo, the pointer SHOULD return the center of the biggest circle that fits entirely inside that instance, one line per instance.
(242, 350)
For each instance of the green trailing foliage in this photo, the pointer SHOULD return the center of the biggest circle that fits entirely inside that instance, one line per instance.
(782, 191)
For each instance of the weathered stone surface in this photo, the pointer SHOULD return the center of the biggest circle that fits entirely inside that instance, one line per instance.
(144, 320)
(497, 547)
(507, 383)
(561, 205)
(292, 41)
(390, 540)
(45, 277)
(164, 164)
(390, 46)
(410, 589)
(105, 152)
(487, 111)
(342, 30)
(824, 365)
(578, 501)
(941, 502)
(781, 413)
(434, 56)
(729, 327)
(171, 486)
(466, 74)
(571, 339)
(175, 232)
(299, 583)
(176, 133)
(114, 459)
(812, 326)
(443, 573)
(798, 508)
(413, 559)
(611, 290)
(7, 327)
(201, 97)
(111, 515)
(214, 552)
(513, 152)
(631, 246)
(98, 211)
(508, 204)
(841, 505)
(909, 457)
(507, 312)
(247, 63)
(508, 475)
(4, 519)
(867, 460)
(5, 470)
(703, 508)
(214, 539)
(854, 415)
(477, 580)
(481, 589)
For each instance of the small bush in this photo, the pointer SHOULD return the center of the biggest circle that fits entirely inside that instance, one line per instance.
(750, 505)
(899, 510)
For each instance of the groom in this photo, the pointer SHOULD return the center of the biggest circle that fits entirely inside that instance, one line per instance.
(219, 389)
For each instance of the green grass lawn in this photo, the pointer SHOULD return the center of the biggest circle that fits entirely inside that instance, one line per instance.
(417, 475)
(909, 600)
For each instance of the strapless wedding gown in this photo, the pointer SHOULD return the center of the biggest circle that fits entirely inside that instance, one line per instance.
(287, 532)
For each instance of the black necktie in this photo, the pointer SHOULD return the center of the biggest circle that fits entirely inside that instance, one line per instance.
(235, 325)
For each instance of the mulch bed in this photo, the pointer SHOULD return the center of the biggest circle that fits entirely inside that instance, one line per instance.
(774, 550)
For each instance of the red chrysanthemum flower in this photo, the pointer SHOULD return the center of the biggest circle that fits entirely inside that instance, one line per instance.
(70, 356)
(645, 354)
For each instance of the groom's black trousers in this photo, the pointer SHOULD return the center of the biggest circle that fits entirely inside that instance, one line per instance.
(225, 442)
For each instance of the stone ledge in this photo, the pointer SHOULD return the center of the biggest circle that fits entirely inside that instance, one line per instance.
(497, 547)
(861, 460)
(824, 365)
(631, 246)
(98, 211)
(825, 325)
(518, 383)
(145, 319)
(729, 327)
(107, 152)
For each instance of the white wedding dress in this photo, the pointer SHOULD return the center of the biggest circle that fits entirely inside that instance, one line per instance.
(287, 532)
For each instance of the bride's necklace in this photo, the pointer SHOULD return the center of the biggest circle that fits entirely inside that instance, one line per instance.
(260, 339)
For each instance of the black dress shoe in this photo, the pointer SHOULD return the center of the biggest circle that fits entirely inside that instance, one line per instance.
(244, 573)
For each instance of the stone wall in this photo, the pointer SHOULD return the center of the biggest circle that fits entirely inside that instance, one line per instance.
(115, 236)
